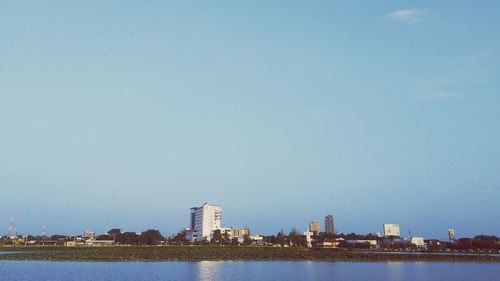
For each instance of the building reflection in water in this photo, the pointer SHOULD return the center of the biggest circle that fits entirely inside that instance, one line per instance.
(395, 271)
(208, 270)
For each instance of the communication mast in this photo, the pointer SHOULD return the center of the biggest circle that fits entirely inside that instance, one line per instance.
(10, 230)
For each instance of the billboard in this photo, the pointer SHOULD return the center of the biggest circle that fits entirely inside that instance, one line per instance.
(391, 229)
(451, 234)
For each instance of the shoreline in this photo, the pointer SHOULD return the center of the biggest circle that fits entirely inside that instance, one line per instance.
(215, 253)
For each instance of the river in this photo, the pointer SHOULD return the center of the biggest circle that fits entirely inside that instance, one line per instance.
(246, 271)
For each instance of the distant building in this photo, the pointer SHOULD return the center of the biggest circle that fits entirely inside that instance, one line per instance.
(314, 227)
(50, 242)
(224, 231)
(89, 234)
(94, 243)
(191, 235)
(309, 240)
(239, 232)
(329, 229)
(204, 220)
(73, 243)
(417, 241)
(369, 242)
(328, 243)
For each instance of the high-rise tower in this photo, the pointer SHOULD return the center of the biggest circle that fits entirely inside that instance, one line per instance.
(329, 224)
(205, 219)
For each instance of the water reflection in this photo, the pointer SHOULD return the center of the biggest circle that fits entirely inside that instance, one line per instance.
(246, 271)
(395, 271)
(208, 270)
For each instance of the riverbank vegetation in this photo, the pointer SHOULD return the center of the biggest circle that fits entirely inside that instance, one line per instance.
(195, 253)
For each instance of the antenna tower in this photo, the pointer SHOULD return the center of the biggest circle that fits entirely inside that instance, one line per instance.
(10, 230)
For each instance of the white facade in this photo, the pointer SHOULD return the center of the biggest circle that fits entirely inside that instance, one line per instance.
(417, 241)
(205, 219)
(89, 234)
(92, 242)
(309, 239)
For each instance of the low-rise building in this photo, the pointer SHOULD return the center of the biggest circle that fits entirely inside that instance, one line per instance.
(74, 243)
(328, 243)
(191, 235)
(417, 241)
(256, 239)
(93, 242)
(50, 242)
(371, 243)
(239, 232)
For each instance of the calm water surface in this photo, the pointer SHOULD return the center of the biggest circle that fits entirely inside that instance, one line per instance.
(246, 271)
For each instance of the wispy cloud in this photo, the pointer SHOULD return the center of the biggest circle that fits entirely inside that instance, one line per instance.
(456, 82)
(409, 16)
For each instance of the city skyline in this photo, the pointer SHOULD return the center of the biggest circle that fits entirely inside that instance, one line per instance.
(204, 220)
(121, 114)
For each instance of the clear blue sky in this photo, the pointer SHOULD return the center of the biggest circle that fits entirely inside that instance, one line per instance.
(128, 113)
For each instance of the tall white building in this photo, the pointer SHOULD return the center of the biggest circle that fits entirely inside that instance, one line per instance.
(204, 220)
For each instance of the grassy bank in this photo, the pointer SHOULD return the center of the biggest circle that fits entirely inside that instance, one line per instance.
(194, 253)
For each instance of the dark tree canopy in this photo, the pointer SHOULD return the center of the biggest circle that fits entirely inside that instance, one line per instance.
(216, 237)
(151, 237)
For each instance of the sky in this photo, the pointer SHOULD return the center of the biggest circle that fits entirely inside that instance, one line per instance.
(126, 113)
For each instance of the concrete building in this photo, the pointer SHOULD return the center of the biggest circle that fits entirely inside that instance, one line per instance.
(309, 240)
(96, 243)
(329, 229)
(191, 235)
(329, 243)
(239, 232)
(89, 234)
(204, 220)
(370, 242)
(224, 231)
(74, 240)
(314, 227)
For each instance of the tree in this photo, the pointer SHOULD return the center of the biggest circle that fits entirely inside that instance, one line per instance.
(115, 233)
(295, 237)
(246, 240)
(128, 238)
(281, 238)
(204, 241)
(486, 242)
(225, 238)
(216, 237)
(151, 237)
(235, 241)
(104, 237)
(179, 238)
